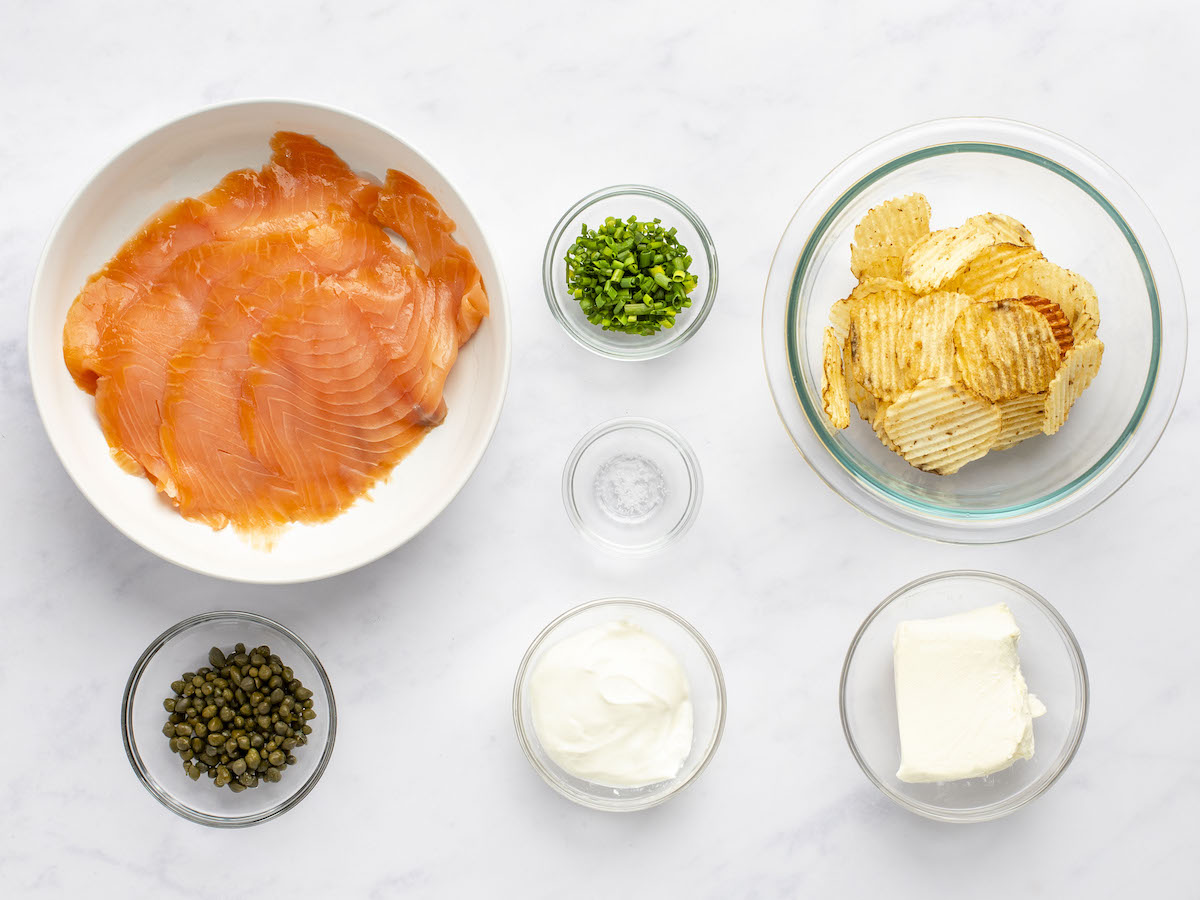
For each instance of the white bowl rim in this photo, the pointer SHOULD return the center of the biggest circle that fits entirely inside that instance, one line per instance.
(35, 351)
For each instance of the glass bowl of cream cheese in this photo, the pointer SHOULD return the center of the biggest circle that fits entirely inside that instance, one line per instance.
(964, 696)
(619, 704)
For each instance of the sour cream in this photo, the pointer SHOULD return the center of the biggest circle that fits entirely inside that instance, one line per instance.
(611, 705)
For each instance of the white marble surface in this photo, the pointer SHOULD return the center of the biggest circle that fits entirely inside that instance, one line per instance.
(738, 108)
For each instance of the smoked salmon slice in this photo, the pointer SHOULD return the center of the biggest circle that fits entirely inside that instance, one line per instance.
(265, 353)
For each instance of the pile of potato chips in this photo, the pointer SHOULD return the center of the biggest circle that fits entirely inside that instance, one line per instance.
(957, 341)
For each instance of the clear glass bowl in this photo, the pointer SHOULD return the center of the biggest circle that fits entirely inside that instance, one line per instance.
(184, 648)
(1051, 662)
(632, 486)
(646, 203)
(1084, 217)
(707, 687)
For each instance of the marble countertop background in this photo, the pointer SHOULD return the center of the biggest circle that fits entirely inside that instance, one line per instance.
(739, 109)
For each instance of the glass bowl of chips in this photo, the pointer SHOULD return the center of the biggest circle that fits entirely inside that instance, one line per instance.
(1033, 215)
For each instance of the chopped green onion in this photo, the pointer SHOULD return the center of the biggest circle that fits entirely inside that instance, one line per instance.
(618, 273)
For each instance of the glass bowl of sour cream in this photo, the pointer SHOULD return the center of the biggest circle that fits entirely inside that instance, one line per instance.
(619, 704)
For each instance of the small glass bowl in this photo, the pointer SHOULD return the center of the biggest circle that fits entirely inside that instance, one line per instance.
(1051, 662)
(706, 684)
(646, 203)
(184, 648)
(632, 485)
(1086, 218)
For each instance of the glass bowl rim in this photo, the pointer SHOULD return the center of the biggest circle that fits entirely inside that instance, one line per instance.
(1164, 288)
(690, 462)
(1075, 738)
(168, 799)
(679, 335)
(527, 741)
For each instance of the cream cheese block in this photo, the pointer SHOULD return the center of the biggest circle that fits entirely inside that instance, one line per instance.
(963, 707)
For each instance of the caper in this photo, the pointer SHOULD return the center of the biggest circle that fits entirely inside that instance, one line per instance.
(238, 718)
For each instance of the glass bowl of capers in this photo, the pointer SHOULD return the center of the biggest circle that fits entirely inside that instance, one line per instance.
(228, 719)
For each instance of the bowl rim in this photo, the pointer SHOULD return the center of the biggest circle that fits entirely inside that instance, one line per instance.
(168, 799)
(35, 352)
(1000, 808)
(690, 461)
(1164, 286)
(528, 741)
(585, 337)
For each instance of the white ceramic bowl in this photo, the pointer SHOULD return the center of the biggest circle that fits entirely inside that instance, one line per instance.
(183, 158)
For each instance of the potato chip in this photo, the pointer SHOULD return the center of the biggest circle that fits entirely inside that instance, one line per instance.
(941, 257)
(839, 320)
(869, 286)
(1005, 228)
(940, 426)
(862, 399)
(875, 343)
(1004, 348)
(994, 264)
(1078, 369)
(929, 335)
(885, 234)
(1073, 293)
(833, 382)
(1059, 325)
(880, 431)
(1020, 418)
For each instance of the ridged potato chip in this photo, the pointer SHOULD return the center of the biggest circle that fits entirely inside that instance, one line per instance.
(1005, 228)
(880, 431)
(943, 256)
(1060, 326)
(997, 263)
(940, 426)
(1020, 418)
(929, 335)
(833, 382)
(876, 349)
(884, 235)
(1072, 292)
(1078, 369)
(1004, 348)
(839, 319)
(863, 401)
(881, 285)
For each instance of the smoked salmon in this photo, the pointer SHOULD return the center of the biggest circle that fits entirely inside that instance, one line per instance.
(266, 352)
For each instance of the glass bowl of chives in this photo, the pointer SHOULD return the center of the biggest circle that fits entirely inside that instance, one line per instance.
(626, 202)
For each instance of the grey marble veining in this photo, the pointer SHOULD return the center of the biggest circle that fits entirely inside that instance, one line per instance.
(739, 109)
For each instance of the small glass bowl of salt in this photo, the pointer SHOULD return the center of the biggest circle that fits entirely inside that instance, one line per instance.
(632, 486)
